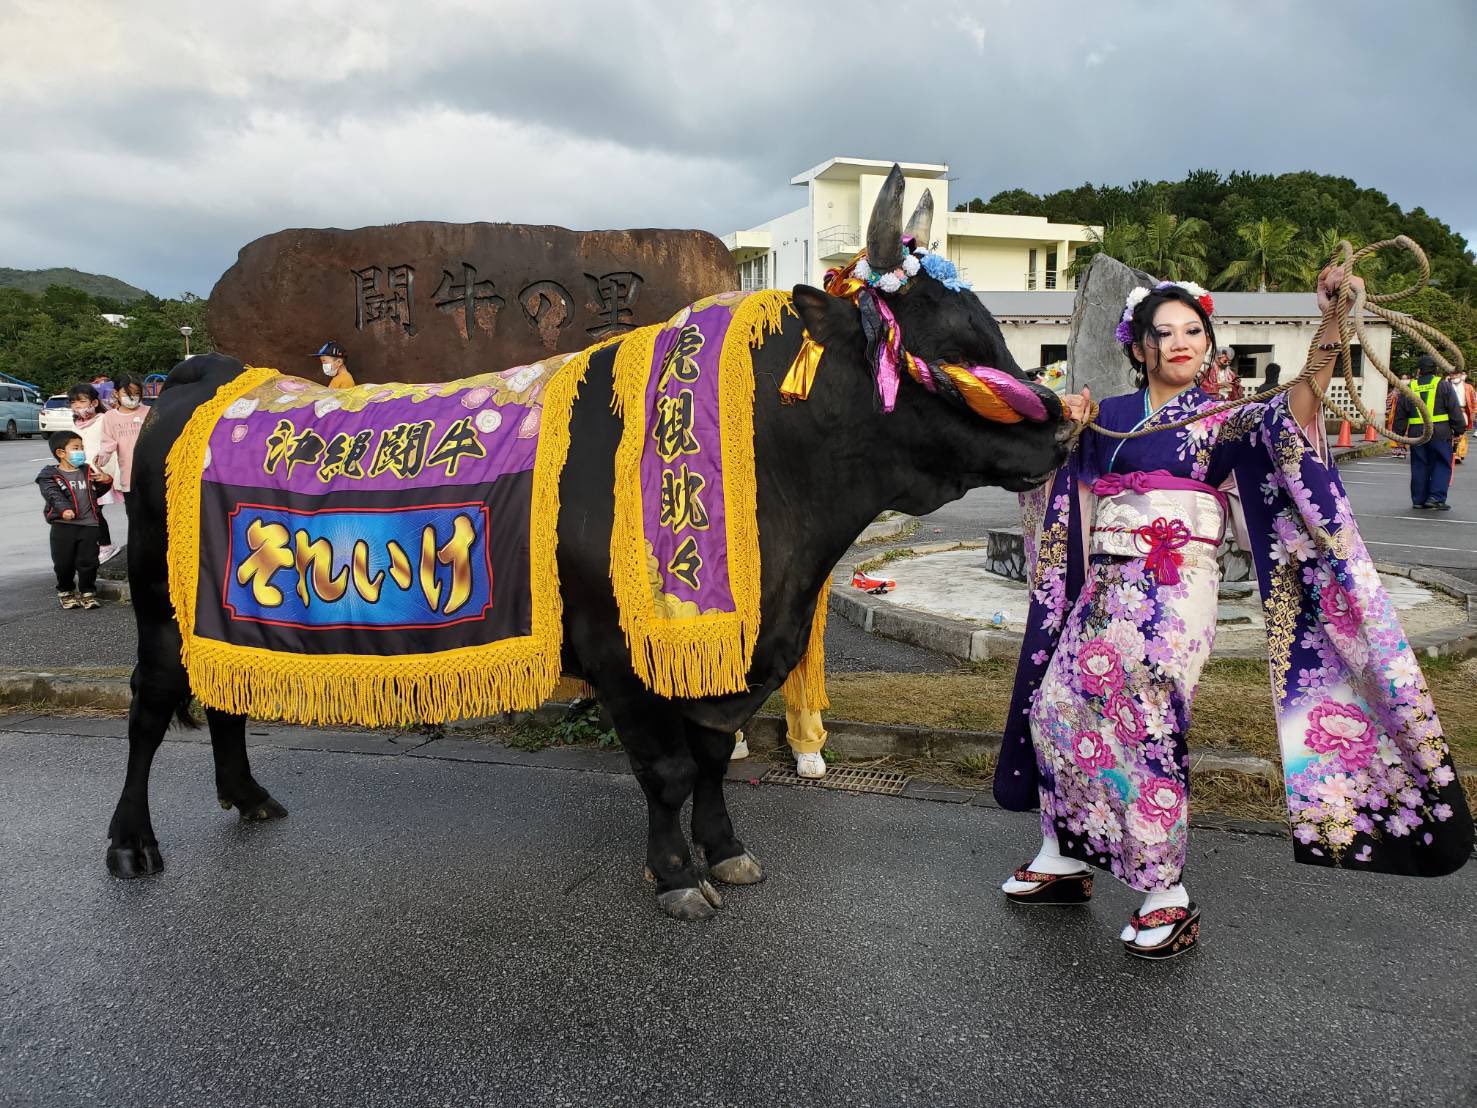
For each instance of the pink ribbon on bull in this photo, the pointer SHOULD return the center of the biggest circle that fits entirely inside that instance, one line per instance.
(889, 355)
(1163, 540)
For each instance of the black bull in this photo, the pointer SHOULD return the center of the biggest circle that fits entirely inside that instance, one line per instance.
(825, 467)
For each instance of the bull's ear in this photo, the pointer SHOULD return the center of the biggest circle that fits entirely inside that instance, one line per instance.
(829, 319)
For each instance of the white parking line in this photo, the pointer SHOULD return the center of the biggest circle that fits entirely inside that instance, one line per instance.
(1412, 546)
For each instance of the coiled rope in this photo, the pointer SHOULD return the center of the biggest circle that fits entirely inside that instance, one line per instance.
(1348, 308)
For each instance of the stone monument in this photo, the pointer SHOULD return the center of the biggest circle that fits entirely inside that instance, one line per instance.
(1094, 358)
(437, 301)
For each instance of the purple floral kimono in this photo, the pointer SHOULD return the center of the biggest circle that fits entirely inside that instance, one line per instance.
(1121, 544)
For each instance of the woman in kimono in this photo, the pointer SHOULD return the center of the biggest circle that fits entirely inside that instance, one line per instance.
(1122, 542)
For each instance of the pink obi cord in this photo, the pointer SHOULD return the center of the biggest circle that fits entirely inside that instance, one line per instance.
(1162, 540)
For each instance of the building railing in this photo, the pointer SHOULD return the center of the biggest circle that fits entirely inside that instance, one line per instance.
(752, 284)
(1048, 279)
(840, 241)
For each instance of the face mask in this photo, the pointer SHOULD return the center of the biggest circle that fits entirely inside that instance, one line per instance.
(328, 370)
(83, 412)
(130, 402)
(77, 457)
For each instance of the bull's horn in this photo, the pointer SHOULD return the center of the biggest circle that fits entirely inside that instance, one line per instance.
(884, 232)
(920, 224)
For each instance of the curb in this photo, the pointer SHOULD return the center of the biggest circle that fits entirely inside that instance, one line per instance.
(970, 642)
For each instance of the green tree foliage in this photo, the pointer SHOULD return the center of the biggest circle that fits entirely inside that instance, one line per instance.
(1456, 319)
(94, 284)
(1272, 257)
(59, 337)
(1314, 203)
(1171, 247)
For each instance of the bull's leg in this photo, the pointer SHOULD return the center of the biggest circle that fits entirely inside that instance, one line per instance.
(712, 829)
(651, 732)
(160, 688)
(234, 785)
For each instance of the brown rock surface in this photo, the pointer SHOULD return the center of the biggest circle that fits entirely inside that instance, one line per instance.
(437, 301)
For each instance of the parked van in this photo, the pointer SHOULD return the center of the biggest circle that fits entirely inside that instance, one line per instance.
(20, 411)
(57, 415)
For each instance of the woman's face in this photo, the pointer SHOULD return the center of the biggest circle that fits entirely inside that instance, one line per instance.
(1175, 346)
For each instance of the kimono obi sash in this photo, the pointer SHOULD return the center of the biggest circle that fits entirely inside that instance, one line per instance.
(1169, 521)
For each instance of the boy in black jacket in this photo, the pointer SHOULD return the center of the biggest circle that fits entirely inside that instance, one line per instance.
(70, 489)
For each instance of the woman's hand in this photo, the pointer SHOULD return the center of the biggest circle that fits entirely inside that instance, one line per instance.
(1078, 406)
(1328, 286)
(69, 514)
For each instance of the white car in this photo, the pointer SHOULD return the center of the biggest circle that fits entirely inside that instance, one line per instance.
(57, 414)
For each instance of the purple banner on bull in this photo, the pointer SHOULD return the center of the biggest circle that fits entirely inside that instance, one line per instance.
(682, 494)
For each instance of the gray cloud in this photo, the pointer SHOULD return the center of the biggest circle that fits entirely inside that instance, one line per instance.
(153, 145)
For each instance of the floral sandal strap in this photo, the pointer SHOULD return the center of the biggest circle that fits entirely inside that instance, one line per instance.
(1160, 917)
(1035, 877)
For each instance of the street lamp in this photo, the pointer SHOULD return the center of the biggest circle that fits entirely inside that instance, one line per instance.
(187, 331)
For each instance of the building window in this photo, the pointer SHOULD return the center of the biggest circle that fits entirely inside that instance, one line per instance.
(1031, 270)
(754, 274)
(1050, 269)
(1052, 353)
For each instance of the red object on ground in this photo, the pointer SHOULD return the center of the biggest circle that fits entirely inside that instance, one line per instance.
(1344, 437)
(1370, 434)
(876, 585)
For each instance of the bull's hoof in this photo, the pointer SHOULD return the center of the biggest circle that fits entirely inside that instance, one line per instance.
(259, 812)
(741, 869)
(688, 903)
(128, 862)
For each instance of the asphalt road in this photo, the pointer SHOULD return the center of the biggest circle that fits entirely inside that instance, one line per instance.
(427, 931)
(1379, 490)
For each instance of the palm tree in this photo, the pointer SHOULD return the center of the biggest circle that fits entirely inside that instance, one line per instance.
(1272, 255)
(1118, 239)
(1172, 248)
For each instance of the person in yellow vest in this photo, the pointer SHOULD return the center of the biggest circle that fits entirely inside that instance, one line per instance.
(1430, 462)
(331, 356)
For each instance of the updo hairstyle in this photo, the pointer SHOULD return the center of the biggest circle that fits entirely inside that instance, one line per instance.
(1142, 325)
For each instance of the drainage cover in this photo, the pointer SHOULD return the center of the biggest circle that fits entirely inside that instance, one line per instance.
(844, 778)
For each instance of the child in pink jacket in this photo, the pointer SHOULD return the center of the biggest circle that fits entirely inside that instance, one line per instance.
(120, 432)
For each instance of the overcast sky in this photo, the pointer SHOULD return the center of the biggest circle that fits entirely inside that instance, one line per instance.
(151, 141)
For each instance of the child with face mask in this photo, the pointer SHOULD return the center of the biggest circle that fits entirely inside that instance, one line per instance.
(120, 428)
(70, 490)
(87, 418)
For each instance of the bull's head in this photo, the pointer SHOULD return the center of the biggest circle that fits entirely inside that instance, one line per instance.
(964, 411)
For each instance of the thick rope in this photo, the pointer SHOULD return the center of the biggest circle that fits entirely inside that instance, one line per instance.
(1347, 308)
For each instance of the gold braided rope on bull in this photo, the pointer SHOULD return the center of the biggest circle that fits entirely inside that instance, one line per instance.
(1347, 308)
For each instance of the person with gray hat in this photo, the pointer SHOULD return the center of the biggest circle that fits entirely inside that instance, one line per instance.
(1430, 462)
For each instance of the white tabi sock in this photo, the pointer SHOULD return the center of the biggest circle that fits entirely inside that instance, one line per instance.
(1176, 896)
(1048, 860)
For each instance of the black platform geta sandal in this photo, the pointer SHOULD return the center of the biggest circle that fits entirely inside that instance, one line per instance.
(1053, 888)
(1184, 933)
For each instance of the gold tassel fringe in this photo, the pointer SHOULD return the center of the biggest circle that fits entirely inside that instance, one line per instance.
(805, 688)
(707, 654)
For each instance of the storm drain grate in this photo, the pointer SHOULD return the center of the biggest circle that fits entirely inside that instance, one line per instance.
(843, 778)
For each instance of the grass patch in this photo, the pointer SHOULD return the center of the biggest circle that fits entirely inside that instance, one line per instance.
(1233, 706)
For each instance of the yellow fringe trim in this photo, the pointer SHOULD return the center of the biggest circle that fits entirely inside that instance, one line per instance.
(805, 688)
(375, 691)
(707, 654)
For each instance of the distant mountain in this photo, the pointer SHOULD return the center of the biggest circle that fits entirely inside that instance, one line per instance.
(94, 284)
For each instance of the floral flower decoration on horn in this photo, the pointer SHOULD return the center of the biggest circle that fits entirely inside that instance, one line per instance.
(1124, 333)
(914, 258)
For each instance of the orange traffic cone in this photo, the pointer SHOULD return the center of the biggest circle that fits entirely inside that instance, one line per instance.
(1344, 437)
(1370, 434)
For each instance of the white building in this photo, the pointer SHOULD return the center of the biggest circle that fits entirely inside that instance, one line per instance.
(1264, 327)
(1016, 252)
